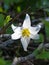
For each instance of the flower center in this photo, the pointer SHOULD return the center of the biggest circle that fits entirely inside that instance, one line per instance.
(25, 32)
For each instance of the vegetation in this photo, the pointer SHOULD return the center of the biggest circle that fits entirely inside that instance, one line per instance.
(13, 11)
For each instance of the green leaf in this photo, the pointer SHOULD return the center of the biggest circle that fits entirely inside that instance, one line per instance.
(1, 9)
(8, 18)
(18, 9)
(43, 55)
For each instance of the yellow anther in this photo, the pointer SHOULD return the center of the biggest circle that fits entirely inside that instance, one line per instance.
(25, 32)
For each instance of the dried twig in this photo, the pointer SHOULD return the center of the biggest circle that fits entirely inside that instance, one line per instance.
(6, 43)
(5, 36)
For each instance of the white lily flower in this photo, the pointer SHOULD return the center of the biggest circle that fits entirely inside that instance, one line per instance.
(26, 32)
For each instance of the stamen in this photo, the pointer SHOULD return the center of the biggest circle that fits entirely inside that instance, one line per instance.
(25, 32)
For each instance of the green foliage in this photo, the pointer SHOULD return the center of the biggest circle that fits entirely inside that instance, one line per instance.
(9, 31)
(43, 55)
(47, 28)
(1, 20)
(7, 20)
(1, 9)
(21, 5)
(3, 62)
(18, 9)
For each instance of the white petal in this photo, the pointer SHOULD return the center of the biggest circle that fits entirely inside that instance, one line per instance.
(34, 30)
(18, 30)
(13, 27)
(17, 34)
(34, 36)
(25, 41)
(27, 21)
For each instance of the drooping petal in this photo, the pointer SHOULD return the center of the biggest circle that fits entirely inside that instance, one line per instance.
(27, 21)
(25, 42)
(34, 36)
(17, 33)
(13, 27)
